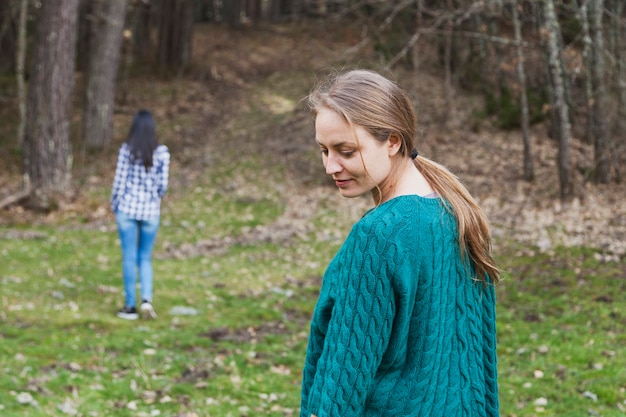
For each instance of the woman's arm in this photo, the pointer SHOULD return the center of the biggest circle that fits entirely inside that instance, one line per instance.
(121, 172)
(163, 170)
(358, 329)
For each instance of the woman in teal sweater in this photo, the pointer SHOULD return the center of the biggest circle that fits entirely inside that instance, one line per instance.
(405, 321)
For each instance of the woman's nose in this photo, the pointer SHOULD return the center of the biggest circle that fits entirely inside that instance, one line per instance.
(332, 165)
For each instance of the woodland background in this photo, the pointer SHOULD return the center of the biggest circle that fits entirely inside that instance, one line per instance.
(524, 100)
(544, 80)
(557, 63)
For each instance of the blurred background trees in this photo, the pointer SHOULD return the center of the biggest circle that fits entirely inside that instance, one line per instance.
(558, 62)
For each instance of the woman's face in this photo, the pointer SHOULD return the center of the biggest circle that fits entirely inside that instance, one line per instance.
(357, 164)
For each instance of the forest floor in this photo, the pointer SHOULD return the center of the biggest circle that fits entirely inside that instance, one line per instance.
(202, 106)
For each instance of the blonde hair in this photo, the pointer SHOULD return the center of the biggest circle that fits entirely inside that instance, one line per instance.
(378, 105)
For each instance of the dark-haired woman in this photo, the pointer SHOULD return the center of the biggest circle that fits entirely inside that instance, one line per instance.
(405, 321)
(141, 177)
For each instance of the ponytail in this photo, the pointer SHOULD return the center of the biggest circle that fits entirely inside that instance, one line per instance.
(472, 223)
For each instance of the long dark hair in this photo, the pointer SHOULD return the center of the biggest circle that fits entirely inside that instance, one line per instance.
(142, 138)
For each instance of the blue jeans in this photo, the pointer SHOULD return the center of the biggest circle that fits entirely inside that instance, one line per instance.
(137, 240)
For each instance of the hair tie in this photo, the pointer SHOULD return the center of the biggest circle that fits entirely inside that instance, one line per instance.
(414, 153)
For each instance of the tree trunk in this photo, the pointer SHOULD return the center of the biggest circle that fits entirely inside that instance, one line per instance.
(618, 34)
(107, 25)
(449, 33)
(9, 10)
(47, 151)
(275, 10)
(85, 8)
(231, 10)
(599, 123)
(587, 46)
(142, 22)
(175, 33)
(559, 105)
(528, 162)
(20, 58)
(254, 10)
(494, 8)
(415, 49)
(482, 53)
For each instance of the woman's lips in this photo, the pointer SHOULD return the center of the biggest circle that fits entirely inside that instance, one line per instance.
(341, 183)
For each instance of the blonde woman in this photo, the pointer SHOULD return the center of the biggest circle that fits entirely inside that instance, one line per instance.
(405, 320)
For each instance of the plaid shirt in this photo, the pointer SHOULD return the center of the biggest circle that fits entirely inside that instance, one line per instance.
(136, 192)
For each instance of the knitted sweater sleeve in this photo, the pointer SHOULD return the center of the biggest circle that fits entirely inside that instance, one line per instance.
(358, 302)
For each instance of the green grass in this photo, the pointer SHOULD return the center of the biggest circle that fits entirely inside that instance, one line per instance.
(561, 317)
(561, 321)
(62, 350)
(561, 335)
(62, 344)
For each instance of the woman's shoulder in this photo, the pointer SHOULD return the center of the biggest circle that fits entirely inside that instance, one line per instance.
(404, 212)
(123, 153)
(383, 219)
(402, 207)
(162, 153)
(162, 149)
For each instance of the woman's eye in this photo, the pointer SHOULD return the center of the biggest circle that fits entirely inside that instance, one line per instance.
(324, 151)
(347, 154)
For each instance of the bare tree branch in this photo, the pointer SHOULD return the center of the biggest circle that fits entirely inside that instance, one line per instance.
(457, 17)
(388, 20)
(17, 196)
(494, 39)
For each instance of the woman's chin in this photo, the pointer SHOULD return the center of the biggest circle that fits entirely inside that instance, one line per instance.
(351, 193)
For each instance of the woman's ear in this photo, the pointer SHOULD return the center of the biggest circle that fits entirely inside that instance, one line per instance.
(394, 143)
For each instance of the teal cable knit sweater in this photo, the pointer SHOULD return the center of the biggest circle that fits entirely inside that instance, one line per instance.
(401, 327)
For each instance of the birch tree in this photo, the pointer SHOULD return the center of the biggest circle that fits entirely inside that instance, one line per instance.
(528, 162)
(559, 107)
(598, 116)
(20, 59)
(617, 38)
(586, 52)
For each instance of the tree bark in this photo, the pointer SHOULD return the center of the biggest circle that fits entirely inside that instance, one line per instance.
(415, 48)
(599, 131)
(449, 33)
(231, 10)
(254, 10)
(586, 52)
(107, 25)
(275, 10)
(494, 8)
(618, 34)
(20, 59)
(47, 150)
(175, 33)
(8, 34)
(559, 102)
(482, 53)
(142, 22)
(528, 162)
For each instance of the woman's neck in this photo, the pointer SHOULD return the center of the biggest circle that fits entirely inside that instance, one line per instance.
(405, 180)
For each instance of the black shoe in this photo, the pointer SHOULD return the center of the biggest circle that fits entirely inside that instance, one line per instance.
(128, 313)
